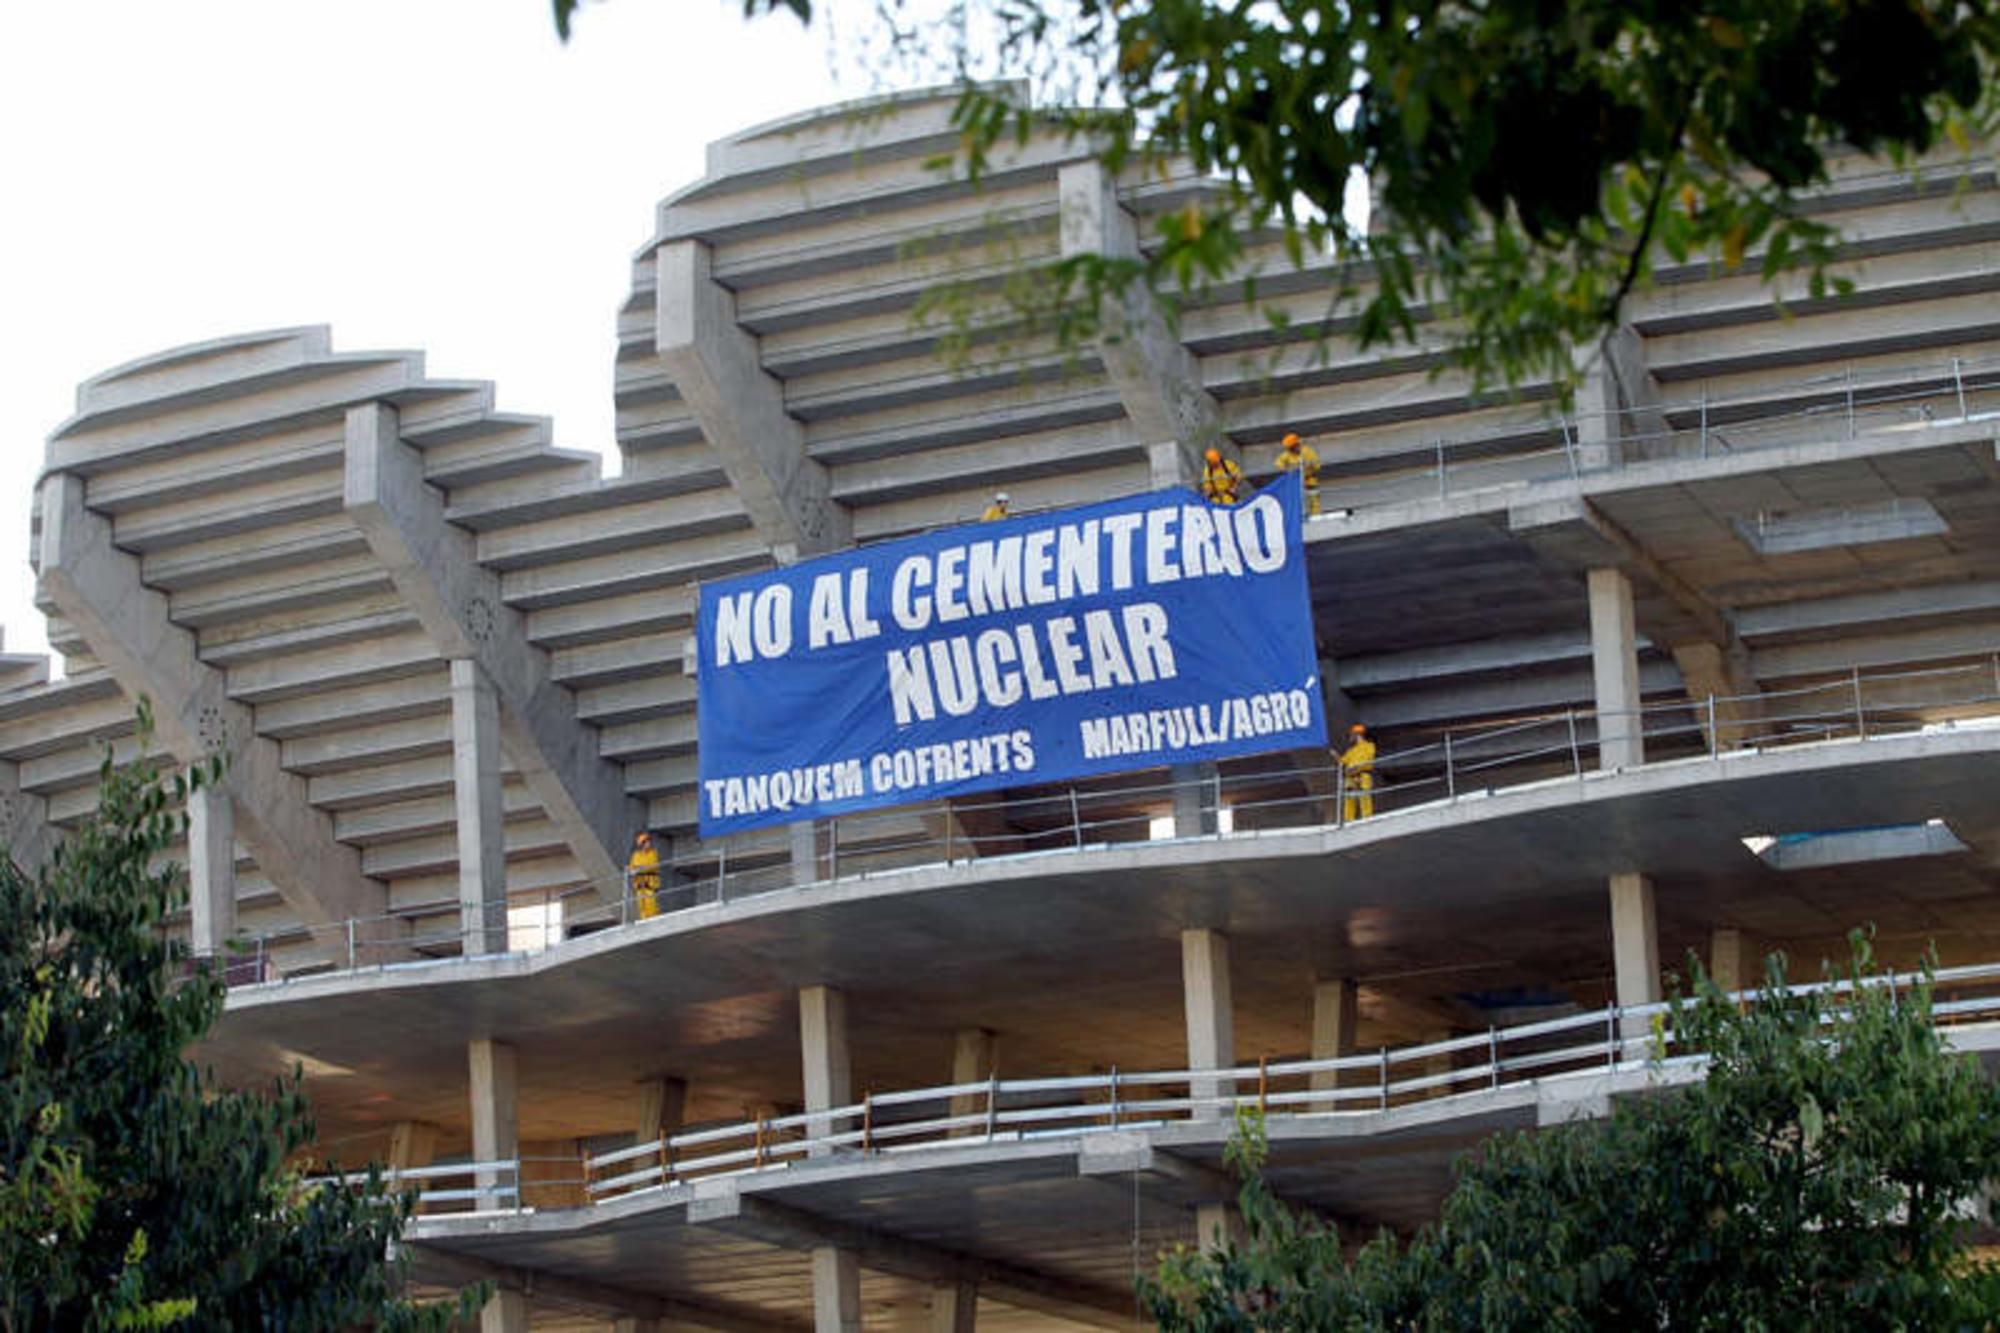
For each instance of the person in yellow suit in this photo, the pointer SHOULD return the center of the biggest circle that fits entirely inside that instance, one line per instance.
(996, 510)
(643, 872)
(1295, 454)
(1357, 766)
(1221, 479)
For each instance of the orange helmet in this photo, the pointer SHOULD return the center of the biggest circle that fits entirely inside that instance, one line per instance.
(1291, 441)
(1358, 729)
(1213, 455)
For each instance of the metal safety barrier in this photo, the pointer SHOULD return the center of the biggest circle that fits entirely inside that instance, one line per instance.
(1244, 799)
(1460, 1070)
(1544, 446)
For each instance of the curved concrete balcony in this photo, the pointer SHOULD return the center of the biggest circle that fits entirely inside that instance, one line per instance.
(933, 1185)
(1076, 949)
(1422, 788)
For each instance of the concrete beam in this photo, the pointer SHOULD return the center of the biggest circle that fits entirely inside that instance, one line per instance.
(435, 567)
(1635, 949)
(1618, 401)
(718, 367)
(1710, 671)
(773, 1223)
(24, 822)
(97, 588)
(1870, 610)
(1614, 659)
(1124, 1158)
(1574, 534)
(441, 1267)
(1157, 378)
(1176, 1181)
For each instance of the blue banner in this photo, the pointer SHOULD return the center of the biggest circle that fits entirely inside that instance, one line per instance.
(1157, 629)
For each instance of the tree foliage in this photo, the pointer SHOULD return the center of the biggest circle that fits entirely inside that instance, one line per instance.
(1533, 162)
(1820, 1176)
(134, 1192)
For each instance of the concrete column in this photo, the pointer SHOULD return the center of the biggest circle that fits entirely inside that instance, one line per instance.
(496, 1132)
(506, 1312)
(1168, 465)
(1341, 710)
(1614, 662)
(1214, 1226)
(836, 1276)
(829, 1077)
(211, 869)
(1211, 1038)
(812, 850)
(662, 1108)
(412, 1145)
(1734, 961)
(1334, 1019)
(475, 780)
(1635, 949)
(1197, 799)
(975, 1054)
(954, 1307)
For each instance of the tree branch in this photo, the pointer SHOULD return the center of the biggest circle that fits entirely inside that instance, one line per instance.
(1636, 259)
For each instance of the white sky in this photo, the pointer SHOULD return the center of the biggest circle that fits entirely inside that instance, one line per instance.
(434, 174)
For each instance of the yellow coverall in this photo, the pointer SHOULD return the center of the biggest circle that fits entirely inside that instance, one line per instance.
(996, 510)
(643, 870)
(1222, 482)
(1307, 462)
(1358, 764)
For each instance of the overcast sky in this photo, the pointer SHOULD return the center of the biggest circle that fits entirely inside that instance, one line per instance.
(434, 174)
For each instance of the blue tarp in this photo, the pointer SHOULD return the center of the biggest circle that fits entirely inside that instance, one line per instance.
(1151, 630)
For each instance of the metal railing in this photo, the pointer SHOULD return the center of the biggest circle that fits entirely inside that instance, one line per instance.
(1245, 799)
(1018, 1110)
(1548, 446)
(1251, 797)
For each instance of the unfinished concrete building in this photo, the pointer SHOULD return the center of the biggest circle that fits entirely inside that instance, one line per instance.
(1700, 666)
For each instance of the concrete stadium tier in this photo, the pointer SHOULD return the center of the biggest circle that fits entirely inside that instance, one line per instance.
(1709, 663)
